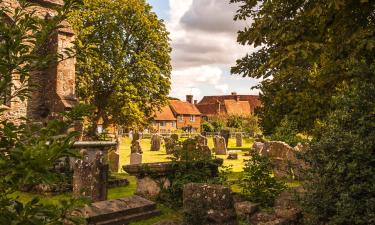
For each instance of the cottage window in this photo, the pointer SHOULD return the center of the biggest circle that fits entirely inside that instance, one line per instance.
(192, 118)
(173, 124)
(181, 118)
(162, 123)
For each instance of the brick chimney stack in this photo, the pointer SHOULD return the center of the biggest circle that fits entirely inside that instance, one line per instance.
(235, 96)
(189, 99)
(195, 102)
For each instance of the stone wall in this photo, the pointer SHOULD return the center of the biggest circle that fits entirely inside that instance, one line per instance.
(54, 90)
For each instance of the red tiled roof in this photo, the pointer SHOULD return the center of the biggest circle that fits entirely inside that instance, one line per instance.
(184, 108)
(252, 99)
(234, 107)
(210, 109)
(165, 114)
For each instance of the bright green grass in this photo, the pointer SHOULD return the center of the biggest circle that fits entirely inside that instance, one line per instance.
(161, 156)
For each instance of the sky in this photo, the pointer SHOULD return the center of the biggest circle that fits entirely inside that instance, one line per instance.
(204, 48)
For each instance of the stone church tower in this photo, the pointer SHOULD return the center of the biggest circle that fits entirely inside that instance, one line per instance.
(55, 86)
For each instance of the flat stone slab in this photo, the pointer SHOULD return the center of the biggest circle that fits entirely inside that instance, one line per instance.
(120, 211)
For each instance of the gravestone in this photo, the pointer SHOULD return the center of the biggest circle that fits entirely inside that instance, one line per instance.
(202, 140)
(258, 147)
(232, 155)
(225, 134)
(90, 178)
(155, 142)
(136, 144)
(208, 204)
(206, 151)
(135, 158)
(239, 139)
(113, 160)
(220, 146)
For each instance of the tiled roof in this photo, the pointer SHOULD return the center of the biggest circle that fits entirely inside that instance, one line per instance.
(210, 109)
(165, 114)
(234, 107)
(184, 108)
(252, 99)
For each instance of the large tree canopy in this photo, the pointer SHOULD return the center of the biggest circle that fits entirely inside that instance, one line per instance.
(305, 51)
(123, 60)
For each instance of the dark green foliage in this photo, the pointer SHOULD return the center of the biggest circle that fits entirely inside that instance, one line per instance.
(341, 184)
(235, 121)
(196, 213)
(287, 131)
(257, 183)
(305, 50)
(207, 127)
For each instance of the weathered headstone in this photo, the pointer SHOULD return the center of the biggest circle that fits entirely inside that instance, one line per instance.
(239, 139)
(113, 160)
(206, 152)
(276, 149)
(136, 144)
(202, 140)
(232, 155)
(208, 204)
(225, 134)
(90, 178)
(220, 146)
(135, 158)
(258, 147)
(155, 142)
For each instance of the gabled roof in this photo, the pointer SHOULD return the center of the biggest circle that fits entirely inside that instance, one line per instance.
(234, 107)
(252, 99)
(184, 108)
(165, 114)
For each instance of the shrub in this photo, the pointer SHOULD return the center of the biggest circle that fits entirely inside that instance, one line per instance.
(287, 132)
(340, 188)
(257, 183)
(207, 127)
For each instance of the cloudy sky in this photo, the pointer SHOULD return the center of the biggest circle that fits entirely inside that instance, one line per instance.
(203, 36)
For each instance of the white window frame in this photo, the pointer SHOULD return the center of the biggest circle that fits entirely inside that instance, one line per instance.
(181, 118)
(192, 118)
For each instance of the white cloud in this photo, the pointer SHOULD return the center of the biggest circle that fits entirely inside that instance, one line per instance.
(203, 37)
(223, 88)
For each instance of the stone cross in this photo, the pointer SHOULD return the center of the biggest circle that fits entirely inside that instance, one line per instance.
(239, 139)
(90, 178)
(219, 145)
(155, 142)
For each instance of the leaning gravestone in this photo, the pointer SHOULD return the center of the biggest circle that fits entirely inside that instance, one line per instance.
(220, 146)
(225, 134)
(90, 178)
(232, 155)
(208, 204)
(202, 140)
(258, 147)
(239, 139)
(155, 142)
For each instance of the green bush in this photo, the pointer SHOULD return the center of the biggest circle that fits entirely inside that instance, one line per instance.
(287, 131)
(340, 188)
(257, 183)
(207, 127)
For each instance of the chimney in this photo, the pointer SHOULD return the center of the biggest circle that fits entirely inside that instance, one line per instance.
(235, 96)
(195, 102)
(189, 98)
